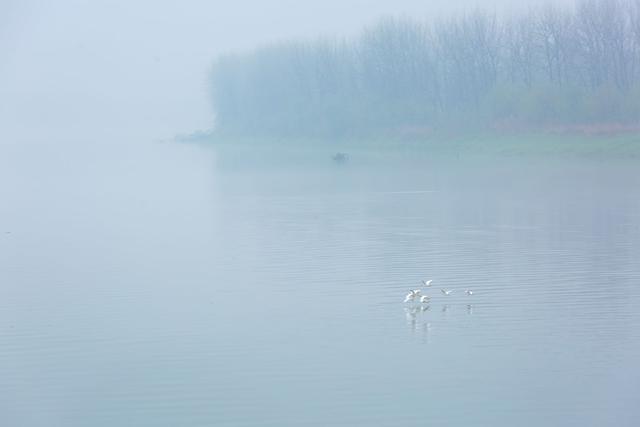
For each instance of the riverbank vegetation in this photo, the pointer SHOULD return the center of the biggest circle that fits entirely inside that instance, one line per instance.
(574, 70)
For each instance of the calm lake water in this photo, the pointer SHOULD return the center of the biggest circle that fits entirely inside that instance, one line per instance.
(169, 285)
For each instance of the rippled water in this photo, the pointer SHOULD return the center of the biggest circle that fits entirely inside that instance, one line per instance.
(177, 286)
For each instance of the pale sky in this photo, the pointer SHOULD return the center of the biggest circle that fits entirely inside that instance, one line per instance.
(138, 68)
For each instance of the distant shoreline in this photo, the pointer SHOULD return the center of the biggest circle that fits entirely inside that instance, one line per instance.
(593, 141)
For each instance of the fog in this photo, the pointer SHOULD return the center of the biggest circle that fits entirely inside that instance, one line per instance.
(287, 279)
(100, 69)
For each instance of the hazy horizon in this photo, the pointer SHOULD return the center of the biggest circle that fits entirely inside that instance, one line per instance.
(75, 68)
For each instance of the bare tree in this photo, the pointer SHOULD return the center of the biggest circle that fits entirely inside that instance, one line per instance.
(520, 50)
(555, 28)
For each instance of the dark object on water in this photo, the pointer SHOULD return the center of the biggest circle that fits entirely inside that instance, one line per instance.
(340, 157)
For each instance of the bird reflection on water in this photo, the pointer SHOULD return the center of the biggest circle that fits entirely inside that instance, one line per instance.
(416, 316)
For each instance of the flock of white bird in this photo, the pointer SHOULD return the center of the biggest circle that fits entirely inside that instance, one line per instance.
(424, 299)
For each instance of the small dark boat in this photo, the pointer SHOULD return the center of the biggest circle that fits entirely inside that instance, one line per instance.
(340, 157)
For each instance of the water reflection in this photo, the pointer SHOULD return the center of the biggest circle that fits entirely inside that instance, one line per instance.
(417, 313)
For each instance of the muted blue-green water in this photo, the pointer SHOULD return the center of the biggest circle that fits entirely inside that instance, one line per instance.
(180, 286)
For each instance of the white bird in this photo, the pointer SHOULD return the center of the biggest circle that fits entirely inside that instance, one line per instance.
(410, 297)
(468, 292)
(446, 292)
(427, 283)
(416, 292)
(424, 299)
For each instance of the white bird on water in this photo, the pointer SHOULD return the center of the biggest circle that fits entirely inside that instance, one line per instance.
(416, 292)
(410, 297)
(468, 292)
(446, 291)
(427, 283)
(424, 299)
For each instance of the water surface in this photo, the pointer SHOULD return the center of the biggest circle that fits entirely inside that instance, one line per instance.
(168, 285)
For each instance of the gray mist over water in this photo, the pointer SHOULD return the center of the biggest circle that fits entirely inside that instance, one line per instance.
(150, 283)
(99, 70)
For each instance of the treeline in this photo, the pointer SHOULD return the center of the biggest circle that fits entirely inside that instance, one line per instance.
(549, 67)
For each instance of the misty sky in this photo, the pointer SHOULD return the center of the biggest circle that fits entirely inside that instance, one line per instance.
(119, 69)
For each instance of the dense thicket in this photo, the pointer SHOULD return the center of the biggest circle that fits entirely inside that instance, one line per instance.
(548, 67)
